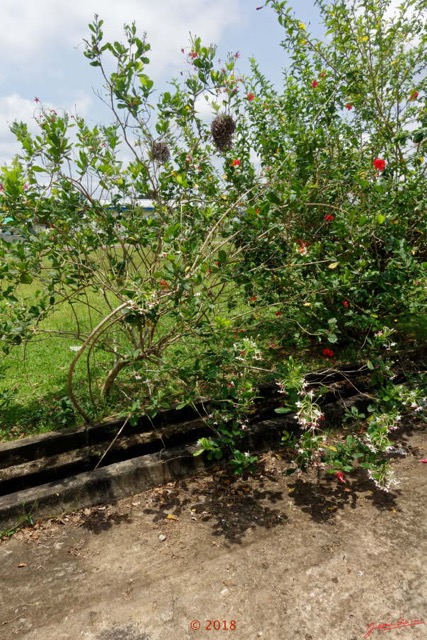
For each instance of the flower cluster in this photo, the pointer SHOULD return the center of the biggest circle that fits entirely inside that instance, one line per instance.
(327, 353)
(379, 164)
(309, 414)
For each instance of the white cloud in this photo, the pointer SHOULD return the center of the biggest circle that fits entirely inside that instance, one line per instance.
(15, 108)
(32, 29)
(12, 107)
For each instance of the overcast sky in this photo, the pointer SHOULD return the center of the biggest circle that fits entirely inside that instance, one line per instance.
(41, 47)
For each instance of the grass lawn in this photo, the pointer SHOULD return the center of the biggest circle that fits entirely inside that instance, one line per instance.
(33, 384)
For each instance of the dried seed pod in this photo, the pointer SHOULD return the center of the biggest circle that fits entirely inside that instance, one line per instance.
(160, 152)
(222, 129)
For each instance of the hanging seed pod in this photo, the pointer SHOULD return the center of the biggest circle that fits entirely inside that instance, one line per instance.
(160, 152)
(222, 129)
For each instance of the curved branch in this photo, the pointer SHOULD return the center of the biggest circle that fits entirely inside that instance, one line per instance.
(84, 346)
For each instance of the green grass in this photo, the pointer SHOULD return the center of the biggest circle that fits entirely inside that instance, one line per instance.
(33, 376)
(35, 373)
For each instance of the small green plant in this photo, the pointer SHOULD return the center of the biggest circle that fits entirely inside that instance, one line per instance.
(25, 520)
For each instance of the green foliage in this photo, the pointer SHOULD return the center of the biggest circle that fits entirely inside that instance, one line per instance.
(288, 229)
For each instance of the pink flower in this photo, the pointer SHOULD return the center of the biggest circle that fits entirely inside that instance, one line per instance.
(314, 84)
(329, 218)
(250, 97)
(235, 163)
(379, 164)
(328, 353)
(193, 55)
(424, 460)
(340, 476)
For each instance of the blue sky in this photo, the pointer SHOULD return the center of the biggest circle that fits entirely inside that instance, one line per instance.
(41, 47)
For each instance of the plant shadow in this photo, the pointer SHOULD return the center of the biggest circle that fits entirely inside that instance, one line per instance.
(231, 505)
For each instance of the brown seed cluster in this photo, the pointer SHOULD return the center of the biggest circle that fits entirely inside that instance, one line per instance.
(222, 129)
(160, 152)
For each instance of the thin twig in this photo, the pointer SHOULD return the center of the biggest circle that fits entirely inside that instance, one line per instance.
(113, 441)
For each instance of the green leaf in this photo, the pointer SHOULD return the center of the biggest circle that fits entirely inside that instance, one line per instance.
(282, 410)
(222, 256)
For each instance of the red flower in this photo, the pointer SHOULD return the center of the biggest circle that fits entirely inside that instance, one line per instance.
(164, 284)
(302, 247)
(328, 353)
(314, 84)
(278, 313)
(235, 163)
(414, 95)
(329, 218)
(424, 460)
(349, 106)
(193, 55)
(250, 97)
(340, 476)
(345, 303)
(253, 299)
(379, 164)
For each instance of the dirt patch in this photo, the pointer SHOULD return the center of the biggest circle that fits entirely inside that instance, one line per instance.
(272, 557)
